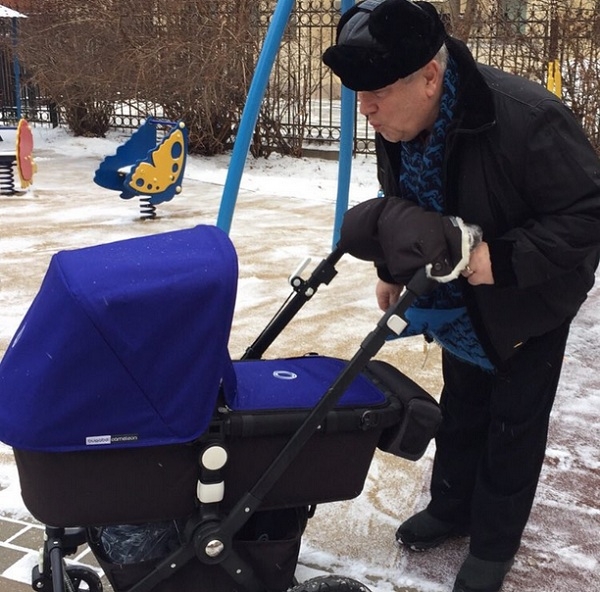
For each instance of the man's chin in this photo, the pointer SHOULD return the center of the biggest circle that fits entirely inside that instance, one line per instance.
(393, 138)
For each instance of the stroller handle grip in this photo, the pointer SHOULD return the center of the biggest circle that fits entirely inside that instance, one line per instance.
(421, 283)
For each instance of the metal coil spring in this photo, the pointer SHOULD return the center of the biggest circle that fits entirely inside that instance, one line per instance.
(147, 209)
(7, 179)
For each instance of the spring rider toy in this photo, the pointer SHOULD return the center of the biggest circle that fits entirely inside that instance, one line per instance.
(16, 147)
(147, 167)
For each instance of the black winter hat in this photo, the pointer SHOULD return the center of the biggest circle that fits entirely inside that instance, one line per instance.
(380, 41)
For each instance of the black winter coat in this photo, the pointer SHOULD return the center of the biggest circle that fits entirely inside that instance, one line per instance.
(518, 164)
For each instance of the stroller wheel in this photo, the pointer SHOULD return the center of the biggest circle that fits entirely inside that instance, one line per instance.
(330, 584)
(75, 576)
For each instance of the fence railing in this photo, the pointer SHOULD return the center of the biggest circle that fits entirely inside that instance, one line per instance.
(304, 97)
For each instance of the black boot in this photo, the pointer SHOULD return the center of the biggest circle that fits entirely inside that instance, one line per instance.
(422, 531)
(477, 575)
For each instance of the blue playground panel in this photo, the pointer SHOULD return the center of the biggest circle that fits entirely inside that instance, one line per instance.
(144, 166)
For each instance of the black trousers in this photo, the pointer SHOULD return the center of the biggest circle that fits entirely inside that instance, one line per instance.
(491, 445)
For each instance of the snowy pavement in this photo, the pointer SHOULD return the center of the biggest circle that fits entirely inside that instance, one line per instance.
(284, 213)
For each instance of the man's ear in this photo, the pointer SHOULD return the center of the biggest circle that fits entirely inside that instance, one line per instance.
(432, 72)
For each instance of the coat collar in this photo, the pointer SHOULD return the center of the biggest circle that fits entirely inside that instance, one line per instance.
(475, 105)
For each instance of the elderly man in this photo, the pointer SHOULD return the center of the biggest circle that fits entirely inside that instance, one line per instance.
(468, 143)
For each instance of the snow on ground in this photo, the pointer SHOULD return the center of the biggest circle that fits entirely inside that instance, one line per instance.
(284, 213)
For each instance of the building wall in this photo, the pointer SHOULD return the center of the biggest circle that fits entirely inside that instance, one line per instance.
(22, 6)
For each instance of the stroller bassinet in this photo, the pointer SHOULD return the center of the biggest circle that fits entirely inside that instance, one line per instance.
(123, 406)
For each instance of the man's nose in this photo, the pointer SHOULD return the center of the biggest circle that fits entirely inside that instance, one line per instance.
(366, 106)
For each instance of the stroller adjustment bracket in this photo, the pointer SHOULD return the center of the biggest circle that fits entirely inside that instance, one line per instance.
(304, 290)
(295, 280)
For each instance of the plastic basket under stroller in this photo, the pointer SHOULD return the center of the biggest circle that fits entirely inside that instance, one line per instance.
(123, 408)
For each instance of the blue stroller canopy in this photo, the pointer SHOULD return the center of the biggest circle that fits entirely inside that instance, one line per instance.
(124, 345)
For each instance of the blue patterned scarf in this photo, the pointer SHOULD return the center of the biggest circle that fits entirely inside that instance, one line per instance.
(440, 315)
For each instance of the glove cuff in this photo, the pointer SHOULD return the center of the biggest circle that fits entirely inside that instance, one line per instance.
(461, 238)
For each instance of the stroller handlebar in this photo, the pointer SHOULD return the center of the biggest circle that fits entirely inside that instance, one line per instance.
(421, 283)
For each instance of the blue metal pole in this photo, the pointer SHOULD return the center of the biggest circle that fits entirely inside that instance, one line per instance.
(17, 69)
(348, 107)
(256, 93)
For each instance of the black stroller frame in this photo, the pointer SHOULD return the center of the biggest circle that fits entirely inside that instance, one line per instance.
(209, 535)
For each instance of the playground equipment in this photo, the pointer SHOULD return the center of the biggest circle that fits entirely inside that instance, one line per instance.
(554, 83)
(16, 148)
(147, 167)
(10, 77)
(256, 93)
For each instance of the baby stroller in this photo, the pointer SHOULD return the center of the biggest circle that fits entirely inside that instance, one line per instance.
(133, 430)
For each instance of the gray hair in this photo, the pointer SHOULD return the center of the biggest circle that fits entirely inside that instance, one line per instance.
(441, 57)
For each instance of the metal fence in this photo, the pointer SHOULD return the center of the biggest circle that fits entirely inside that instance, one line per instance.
(305, 97)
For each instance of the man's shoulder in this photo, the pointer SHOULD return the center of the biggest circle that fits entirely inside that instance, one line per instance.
(514, 88)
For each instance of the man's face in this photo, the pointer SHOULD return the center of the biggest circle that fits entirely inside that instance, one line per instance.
(402, 110)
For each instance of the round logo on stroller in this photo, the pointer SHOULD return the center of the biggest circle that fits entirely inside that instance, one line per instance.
(285, 375)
